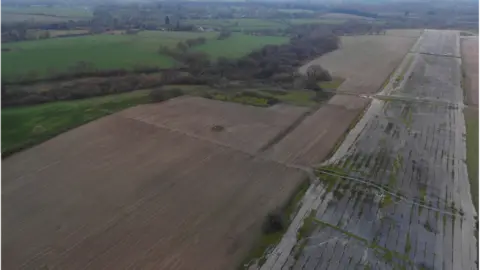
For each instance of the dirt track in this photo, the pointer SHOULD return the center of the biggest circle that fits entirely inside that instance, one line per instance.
(124, 193)
(396, 195)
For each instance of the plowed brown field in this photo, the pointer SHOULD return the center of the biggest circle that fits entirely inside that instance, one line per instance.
(470, 68)
(246, 128)
(365, 62)
(314, 139)
(130, 191)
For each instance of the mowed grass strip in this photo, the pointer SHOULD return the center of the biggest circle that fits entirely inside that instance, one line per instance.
(471, 120)
(23, 127)
(50, 56)
(238, 45)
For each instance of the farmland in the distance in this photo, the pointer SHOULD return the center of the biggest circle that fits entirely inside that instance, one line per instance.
(239, 24)
(237, 45)
(42, 58)
(353, 60)
(79, 12)
(43, 14)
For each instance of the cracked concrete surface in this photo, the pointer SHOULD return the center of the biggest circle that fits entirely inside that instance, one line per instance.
(396, 193)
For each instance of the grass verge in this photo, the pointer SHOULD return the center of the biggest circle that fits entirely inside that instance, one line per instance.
(471, 120)
(24, 127)
(333, 85)
(267, 241)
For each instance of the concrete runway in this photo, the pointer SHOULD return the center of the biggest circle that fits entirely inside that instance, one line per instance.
(396, 193)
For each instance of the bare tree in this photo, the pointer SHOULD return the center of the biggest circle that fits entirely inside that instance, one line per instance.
(317, 73)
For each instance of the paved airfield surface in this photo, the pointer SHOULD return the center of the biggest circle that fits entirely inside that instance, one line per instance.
(396, 194)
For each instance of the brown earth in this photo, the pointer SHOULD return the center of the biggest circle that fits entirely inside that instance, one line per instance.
(246, 128)
(470, 69)
(364, 61)
(413, 33)
(129, 191)
(315, 138)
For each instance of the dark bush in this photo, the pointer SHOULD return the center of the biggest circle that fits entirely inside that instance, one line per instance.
(182, 46)
(275, 92)
(159, 94)
(312, 85)
(318, 73)
(207, 95)
(218, 128)
(224, 34)
(275, 222)
(253, 94)
(149, 81)
(270, 100)
(282, 77)
(32, 100)
(321, 96)
(189, 80)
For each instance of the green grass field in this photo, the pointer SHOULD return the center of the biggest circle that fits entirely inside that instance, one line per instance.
(46, 57)
(23, 127)
(237, 45)
(317, 21)
(239, 24)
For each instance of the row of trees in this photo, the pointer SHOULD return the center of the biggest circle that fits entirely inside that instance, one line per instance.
(275, 64)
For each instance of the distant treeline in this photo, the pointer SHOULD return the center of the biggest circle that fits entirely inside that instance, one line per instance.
(354, 12)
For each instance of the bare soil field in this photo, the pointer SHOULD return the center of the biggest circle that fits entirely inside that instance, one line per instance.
(413, 33)
(470, 69)
(314, 139)
(125, 193)
(245, 128)
(364, 61)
